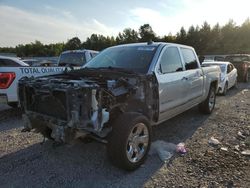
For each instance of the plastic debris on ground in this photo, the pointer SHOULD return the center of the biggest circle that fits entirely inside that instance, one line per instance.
(246, 152)
(165, 150)
(213, 141)
(240, 134)
(237, 148)
(224, 149)
(181, 149)
(244, 90)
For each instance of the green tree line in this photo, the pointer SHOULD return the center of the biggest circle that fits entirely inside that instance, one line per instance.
(227, 39)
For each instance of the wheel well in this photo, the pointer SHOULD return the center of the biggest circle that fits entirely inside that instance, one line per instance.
(214, 84)
(128, 108)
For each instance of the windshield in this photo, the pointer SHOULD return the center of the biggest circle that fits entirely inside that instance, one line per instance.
(237, 58)
(135, 58)
(222, 66)
(72, 58)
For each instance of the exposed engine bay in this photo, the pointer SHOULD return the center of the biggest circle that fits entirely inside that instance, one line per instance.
(82, 102)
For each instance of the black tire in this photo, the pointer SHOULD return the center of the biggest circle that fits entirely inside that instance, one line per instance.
(206, 107)
(236, 84)
(119, 144)
(13, 104)
(246, 77)
(225, 89)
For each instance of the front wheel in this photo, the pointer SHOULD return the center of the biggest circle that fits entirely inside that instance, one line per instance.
(207, 106)
(236, 84)
(129, 141)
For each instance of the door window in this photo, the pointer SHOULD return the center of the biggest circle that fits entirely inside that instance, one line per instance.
(189, 59)
(170, 61)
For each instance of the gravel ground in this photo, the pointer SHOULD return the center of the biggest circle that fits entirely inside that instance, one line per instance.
(25, 162)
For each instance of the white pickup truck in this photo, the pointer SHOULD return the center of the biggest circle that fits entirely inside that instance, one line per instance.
(13, 69)
(118, 95)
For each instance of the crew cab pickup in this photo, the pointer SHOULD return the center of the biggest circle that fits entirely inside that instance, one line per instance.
(12, 70)
(118, 95)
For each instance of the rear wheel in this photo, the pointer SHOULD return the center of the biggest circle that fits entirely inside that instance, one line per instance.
(207, 106)
(246, 77)
(236, 83)
(129, 141)
(225, 89)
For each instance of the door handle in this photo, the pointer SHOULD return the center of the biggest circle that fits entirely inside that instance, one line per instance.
(184, 78)
(199, 73)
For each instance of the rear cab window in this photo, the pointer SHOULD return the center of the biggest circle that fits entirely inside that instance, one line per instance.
(189, 58)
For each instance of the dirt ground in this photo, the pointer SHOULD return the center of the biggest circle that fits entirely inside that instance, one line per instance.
(25, 162)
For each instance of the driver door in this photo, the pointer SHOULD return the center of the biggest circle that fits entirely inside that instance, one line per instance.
(172, 82)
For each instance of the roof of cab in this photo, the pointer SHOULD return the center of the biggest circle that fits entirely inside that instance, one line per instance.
(154, 44)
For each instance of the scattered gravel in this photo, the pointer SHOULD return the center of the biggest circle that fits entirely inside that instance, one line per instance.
(214, 165)
(25, 162)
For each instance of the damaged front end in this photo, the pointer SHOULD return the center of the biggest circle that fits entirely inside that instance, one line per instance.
(66, 107)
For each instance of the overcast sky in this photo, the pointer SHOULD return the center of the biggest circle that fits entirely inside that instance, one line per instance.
(48, 21)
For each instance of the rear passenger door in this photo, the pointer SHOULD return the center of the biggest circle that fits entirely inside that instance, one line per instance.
(172, 87)
(194, 75)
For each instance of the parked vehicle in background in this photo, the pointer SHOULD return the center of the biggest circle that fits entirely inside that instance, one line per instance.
(45, 63)
(7, 77)
(228, 77)
(209, 58)
(30, 62)
(118, 96)
(242, 64)
(76, 57)
(41, 61)
(13, 69)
